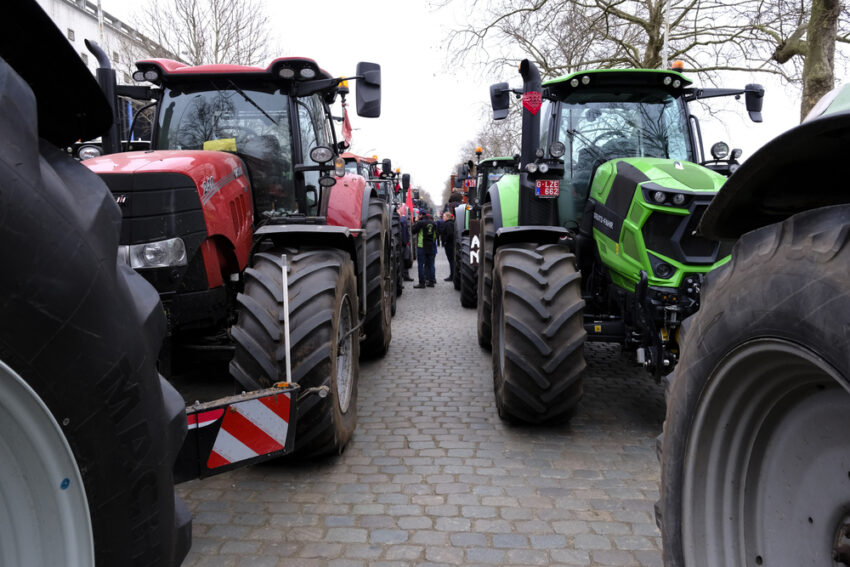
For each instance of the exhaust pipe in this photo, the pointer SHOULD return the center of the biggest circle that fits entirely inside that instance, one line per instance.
(532, 90)
(105, 75)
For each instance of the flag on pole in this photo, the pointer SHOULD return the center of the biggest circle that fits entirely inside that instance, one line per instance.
(346, 125)
(409, 200)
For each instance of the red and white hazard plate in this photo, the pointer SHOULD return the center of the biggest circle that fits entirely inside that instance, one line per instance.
(547, 188)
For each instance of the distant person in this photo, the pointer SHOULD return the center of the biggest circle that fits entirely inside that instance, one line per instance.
(405, 245)
(426, 241)
(447, 239)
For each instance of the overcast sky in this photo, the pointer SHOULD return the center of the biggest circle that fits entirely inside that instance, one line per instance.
(431, 105)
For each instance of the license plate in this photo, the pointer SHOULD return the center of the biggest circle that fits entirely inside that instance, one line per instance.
(547, 188)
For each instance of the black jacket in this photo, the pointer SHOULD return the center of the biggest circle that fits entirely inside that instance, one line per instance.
(447, 233)
(428, 235)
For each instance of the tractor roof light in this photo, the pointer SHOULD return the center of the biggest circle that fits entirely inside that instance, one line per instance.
(321, 154)
(678, 65)
(151, 75)
(573, 82)
(307, 73)
(585, 80)
(667, 80)
(677, 83)
(286, 73)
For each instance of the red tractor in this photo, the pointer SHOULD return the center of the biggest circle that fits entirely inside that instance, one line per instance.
(261, 245)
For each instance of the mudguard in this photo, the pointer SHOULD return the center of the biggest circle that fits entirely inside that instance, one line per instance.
(796, 171)
(504, 196)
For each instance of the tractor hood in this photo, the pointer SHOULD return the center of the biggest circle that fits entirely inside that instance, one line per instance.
(210, 170)
(677, 175)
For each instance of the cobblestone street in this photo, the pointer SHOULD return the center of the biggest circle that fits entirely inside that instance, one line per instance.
(434, 477)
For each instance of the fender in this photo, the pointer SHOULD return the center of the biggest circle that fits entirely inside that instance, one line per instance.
(541, 234)
(296, 235)
(796, 171)
(461, 221)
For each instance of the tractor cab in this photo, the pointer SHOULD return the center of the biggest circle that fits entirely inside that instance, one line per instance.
(490, 170)
(275, 119)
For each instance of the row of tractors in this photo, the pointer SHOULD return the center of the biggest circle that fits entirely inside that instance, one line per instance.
(240, 231)
(726, 281)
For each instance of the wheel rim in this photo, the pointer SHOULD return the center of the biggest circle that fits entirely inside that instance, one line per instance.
(44, 514)
(768, 480)
(344, 359)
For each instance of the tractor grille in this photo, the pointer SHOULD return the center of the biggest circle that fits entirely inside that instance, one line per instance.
(674, 236)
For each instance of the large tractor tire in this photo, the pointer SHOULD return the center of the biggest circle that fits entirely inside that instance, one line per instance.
(755, 452)
(468, 276)
(88, 429)
(458, 253)
(322, 313)
(377, 325)
(485, 276)
(538, 333)
(397, 258)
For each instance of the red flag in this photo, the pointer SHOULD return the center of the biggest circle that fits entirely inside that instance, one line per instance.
(409, 200)
(346, 125)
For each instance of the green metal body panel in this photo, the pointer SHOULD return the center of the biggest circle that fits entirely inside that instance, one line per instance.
(508, 189)
(628, 256)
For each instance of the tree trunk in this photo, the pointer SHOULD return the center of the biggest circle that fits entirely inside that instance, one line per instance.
(819, 66)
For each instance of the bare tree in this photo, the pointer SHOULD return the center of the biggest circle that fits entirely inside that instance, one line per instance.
(208, 31)
(565, 36)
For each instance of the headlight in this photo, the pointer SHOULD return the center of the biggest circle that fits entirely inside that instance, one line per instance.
(531, 167)
(679, 199)
(89, 152)
(159, 254)
(558, 149)
(659, 196)
(151, 75)
(542, 168)
(321, 154)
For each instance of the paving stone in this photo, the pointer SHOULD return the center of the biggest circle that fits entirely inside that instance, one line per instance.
(433, 477)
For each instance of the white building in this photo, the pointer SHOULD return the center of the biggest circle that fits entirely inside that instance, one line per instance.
(82, 19)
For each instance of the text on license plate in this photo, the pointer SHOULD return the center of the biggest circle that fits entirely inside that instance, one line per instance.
(547, 188)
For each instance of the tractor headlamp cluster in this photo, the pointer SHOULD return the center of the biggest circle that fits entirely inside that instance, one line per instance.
(666, 198)
(670, 81)
(557, 150)
(321, 154)
(297, 69)
(576, 81)
(160, 254)
(150, 75)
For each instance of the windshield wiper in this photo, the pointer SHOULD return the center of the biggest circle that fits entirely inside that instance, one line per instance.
(251, 101)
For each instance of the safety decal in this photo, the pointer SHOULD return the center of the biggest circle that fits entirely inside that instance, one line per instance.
(531, 101)
(250, 429)
(198, 420)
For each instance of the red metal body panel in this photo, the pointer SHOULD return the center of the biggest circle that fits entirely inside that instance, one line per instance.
(346, 201)
(171, 67)
(223, 189)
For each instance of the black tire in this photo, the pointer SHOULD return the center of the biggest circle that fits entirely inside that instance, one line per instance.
(83, 331)
(468, 276)
(755, 437)
(322, 308)
(485, 276)
(538, 333)
(458, 253)
(377, 325)
(397, 259)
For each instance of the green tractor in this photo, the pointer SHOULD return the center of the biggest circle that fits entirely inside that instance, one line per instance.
(468, 224)
(595, 239)
(755, 453)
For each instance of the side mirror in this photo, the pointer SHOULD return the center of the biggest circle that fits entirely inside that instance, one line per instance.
(736, 153)
(500, 100)
(416, 194)
(386, 166)
(754, 97)
(405, 181)
(369, 90)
